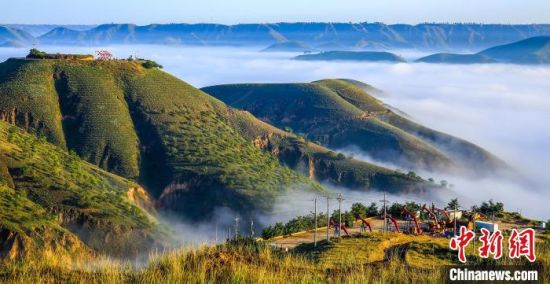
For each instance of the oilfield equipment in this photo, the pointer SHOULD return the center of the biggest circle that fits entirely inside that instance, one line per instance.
(395, 224)
(364, 223)
(425, 220)
(338, 227)
(416, 230)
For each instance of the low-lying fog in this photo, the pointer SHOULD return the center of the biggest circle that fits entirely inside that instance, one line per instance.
(503, 108)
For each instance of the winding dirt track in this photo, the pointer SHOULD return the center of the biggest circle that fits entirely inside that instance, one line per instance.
(288, 242)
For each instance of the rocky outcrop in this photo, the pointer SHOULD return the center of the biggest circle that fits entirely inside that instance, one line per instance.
(141, 198)
(39, 243)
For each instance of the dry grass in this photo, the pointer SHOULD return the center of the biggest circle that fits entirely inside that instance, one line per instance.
(249, 262)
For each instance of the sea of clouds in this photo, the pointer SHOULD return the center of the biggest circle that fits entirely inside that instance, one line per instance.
(502, 108)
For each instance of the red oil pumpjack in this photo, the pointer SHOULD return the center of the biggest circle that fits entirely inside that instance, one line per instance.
(449, 223)
(435, 226)
(363, 221)
(405, 211)
(394, 221)
(342, 226)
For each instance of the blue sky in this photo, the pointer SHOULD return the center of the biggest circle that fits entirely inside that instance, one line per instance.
(259, 11)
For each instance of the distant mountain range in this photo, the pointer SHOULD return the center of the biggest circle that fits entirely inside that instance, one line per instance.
(535, 50)
(289, 46)
(322, 36)
(371, 56)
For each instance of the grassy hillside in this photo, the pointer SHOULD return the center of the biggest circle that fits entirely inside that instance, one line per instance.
(319, 163)
(146, 125)
(53, 200)
(369, 258)
(372, 56)
(338, 114)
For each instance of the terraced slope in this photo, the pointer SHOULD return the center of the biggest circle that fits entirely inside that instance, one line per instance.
(146, 125)
(51, 201)
(340, 114)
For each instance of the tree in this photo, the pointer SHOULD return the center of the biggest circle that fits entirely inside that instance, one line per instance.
(35, 53)
(453, 203)
(413, 206)
(151, 64)
(358, 208)
(395, 209)
(490, 207)
(372, 210)
(347, 218)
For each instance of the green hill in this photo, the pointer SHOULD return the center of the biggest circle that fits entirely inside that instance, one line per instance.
(322, 164)
(52, 202)
(456, 58)
(534, 50)
(339, 114)
(147, 125)
(190, 151)
(372, 56)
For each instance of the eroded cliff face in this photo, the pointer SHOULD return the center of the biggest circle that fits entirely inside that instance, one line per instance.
(41, 243)
(25, 120)
(295, 154)
(324, 166)
(141, 198)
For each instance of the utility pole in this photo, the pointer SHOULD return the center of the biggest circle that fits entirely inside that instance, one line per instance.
(340, 214)
(236, 226)
(454, 217)
(216, 231)
(251, 227)
(315, 218)
(328, 220)
(385, 213)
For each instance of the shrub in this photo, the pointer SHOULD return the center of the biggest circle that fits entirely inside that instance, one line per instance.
(490, 207)
(35, 53)
(151, 64)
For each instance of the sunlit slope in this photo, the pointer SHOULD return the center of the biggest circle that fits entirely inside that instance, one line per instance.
(145, 124)
(52, 200)
(322, 164)
(468, 156)
(339, 114)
